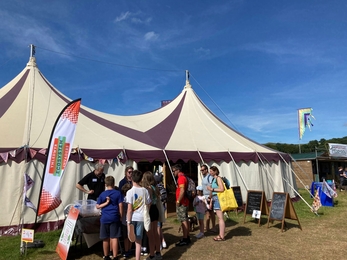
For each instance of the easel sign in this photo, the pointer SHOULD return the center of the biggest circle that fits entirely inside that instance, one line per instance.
(256, 202)
(281, 208)
(238, 197)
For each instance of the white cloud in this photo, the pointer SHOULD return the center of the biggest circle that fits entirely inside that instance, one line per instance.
(122, 17)
(202, 52)
(20, 30)
(137, 20)
(266, 121)
(151, 36)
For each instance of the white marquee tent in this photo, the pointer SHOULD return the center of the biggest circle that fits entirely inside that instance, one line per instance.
(184, 129)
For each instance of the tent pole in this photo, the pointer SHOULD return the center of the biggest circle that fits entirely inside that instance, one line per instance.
(168, 163)
(202, 160)
(237, 169)
(267, 172)
(295, 190)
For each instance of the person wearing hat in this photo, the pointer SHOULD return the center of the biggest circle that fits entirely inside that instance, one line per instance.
(200, 206)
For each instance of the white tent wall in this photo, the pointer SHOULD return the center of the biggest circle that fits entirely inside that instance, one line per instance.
(12, 183)
(270, 177)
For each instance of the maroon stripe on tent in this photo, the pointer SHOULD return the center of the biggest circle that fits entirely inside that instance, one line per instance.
(7, 100)
(158, 136)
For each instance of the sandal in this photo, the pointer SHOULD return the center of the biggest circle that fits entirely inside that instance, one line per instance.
(218, 238)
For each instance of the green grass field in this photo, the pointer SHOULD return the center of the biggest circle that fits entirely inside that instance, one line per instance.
(239, 236)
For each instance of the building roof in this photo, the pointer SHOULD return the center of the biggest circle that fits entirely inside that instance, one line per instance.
(306, 156)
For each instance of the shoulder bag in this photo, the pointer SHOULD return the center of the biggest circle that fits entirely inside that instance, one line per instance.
(146, 217)
(227, 199)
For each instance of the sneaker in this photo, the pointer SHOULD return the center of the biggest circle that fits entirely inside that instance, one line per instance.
(200, 235)
(144, 251)
(183, 242)
(150, 257)
(106, 257)
(163, 244)
(158, 256)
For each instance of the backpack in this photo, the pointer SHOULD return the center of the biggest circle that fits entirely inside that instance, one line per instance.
(191, 188)
(162, 191)
(226, 182)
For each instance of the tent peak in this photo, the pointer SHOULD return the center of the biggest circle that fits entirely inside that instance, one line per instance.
(32, 62)
(187, 80)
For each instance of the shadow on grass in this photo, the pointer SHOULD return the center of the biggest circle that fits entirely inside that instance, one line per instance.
(77, 251)
(287, 225)
(238, 232)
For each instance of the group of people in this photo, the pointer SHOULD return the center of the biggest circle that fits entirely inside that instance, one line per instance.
(206, 203)
(123, 207)
(122, 210)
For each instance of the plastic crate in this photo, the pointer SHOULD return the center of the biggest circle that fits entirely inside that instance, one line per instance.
(87, 208)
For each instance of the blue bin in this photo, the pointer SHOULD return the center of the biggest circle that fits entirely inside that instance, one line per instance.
(324, 199)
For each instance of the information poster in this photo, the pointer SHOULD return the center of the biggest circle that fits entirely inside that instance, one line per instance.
(67, 233)
(27, 235)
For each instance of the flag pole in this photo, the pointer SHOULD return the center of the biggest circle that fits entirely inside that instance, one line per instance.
(299, 129)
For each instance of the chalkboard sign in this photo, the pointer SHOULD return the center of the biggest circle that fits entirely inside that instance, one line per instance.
(238, 196)
(278, 206)
(281, 208)
(254, 200)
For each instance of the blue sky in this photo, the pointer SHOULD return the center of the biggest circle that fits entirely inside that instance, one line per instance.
(253, 63)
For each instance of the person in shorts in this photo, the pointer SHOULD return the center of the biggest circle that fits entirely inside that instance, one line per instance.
(127, 242)
(110, 201)
(135, 198)
(210, 215)
(182, 204)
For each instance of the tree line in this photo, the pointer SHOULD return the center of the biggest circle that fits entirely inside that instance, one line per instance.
(310, 147)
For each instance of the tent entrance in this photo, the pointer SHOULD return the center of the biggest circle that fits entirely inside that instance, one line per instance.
(190, 168)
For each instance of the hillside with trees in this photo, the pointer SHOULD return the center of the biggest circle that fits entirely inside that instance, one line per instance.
(322, 145)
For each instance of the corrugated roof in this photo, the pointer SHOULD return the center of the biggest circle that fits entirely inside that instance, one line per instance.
(306, 156)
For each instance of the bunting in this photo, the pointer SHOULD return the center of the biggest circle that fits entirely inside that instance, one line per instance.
(102, 161)
(13, 153)
(304, 120)
(42, 151)
(4, 156)
(32, 153)
(59, 151)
